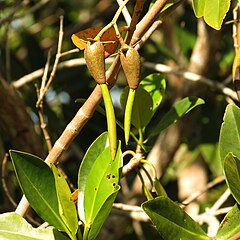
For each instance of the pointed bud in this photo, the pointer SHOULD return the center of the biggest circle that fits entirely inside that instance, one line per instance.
(95, 61)
(131, 64)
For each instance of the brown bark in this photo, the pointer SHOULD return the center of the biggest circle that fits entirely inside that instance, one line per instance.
(16, 123)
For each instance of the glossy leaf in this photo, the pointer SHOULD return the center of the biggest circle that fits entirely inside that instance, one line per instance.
(142, 107)
(171, 221)
(67, 207)
(229, 140)
(230, 225)
(102, 183)
(198, 7)
(232, 174)
(96, 148)
(155, 85)
(14, 227)
(37, 182)
(80, 38)
(102, 214)
(176, 112)
(213, 11)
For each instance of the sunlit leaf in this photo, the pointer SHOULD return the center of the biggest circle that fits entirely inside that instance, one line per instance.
(232, 174)
(213, 11)
(171, 221)
(102, 183)
(155, 85)
(230, 225)
(98, 184)
(37, 182)
(14, 227)
(176, 112)
(67, 207)
(229, 140)
(96, 148)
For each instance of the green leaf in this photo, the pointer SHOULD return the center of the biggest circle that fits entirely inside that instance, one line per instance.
(102, 182)
(230, 225)
(229, 140)
(176, 112)
(102, 214)
(210, 153)
(14, 227)
(171, 221)
(142, 107)
(155, 85)
(213, 11)
(198, 7)
(232, 174)
(37, 182)
(67, 207)
(96, 148)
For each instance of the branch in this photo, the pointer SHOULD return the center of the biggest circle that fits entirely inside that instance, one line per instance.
(86, 111)
(192, 77)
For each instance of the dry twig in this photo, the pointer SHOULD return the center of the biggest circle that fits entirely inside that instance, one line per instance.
(4, 185)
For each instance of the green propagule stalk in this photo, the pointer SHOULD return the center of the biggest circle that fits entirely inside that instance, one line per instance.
(95, 61)
(131, 64)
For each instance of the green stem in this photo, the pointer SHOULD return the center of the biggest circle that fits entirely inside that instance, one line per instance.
(85, 233)
(151, 166)
(128, 114)
(111, 120)
(148, 174)
(145, 190)
(155, 183)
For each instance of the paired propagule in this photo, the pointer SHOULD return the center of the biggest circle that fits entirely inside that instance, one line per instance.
(95, 54)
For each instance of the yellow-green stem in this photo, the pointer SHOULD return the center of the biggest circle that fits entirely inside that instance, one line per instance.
(128, 114)
(111, 121)
(85, 232)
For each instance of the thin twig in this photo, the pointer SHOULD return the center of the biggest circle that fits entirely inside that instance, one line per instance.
(223, 198)
(235, 27)
(197, 194)
(39, 106)
(138, 230)
(4, 185)
(44, 77)
(148, 20)
(58, 55)
(75, 50)
(126, 207)
(192, 77)
(43, 124)
(136, 15)
(125, 12)
(38, 73)
(148, 33)
(222, 211)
